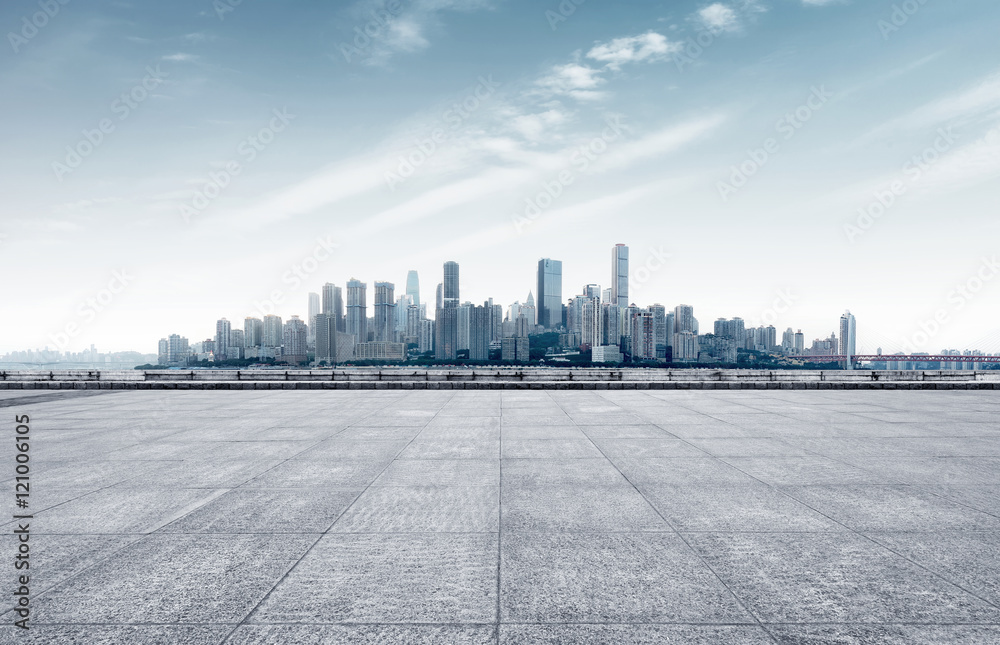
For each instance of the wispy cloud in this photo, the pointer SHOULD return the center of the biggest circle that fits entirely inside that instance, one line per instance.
(648, 47)
(180, 58)
(977, 103)
(575, 80)
(405, 30)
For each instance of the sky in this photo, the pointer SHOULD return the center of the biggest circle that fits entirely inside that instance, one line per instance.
(168, 164)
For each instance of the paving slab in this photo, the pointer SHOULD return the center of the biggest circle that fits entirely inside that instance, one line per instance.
(516, 516)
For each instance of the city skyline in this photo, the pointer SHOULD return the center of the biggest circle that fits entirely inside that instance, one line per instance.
(363, 318)
(749, 150)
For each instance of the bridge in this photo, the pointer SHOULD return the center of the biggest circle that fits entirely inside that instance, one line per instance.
(900, 358)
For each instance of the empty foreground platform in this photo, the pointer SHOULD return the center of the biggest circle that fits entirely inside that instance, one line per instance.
(391, 516)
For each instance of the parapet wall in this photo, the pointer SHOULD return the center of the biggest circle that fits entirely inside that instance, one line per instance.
(497, 378)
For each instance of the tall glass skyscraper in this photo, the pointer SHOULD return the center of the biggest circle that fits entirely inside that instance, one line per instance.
(550, 293)
(413, 287)
(619, 275)
(848, 339)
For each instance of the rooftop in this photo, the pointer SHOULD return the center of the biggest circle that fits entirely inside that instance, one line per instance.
(381, 516)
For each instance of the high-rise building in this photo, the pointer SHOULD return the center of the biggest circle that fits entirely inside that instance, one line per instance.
(426, 342)
(590, 324)
(685, 347)
(295, 334)
(439, 297)
(385, 312)
(643, 336)
(413, 287)
(222, 329)
(446, 318)
(253, 332)
(530, 311)
(659, 313)
(333, 303)
(480, 324)
(619, 275)
(800, 343)
(357, 310)
(550, 293)
(848, 339)
(273, 333)
(684, 319)
(314, 308)
(237, 343)
(326, 337)
(178, 350)
(163, 351)
(450, 292)
(611, 325)
(401, 313)
(464, 311)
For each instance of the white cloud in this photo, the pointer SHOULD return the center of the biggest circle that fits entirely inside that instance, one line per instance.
(649, 47)
(579, 81)
(719, 18)
(533, 126)
(180, 58)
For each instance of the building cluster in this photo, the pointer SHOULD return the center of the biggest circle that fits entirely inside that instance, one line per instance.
(340, 327)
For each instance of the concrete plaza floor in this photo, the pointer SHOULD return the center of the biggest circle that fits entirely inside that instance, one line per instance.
(252, 517)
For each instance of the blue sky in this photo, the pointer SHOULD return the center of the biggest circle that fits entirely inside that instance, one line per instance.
(733, 146)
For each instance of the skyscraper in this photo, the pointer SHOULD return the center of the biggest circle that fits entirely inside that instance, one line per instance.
(450, 290)
(326, 338)
(333, 303)
(684, 319)
(619, 275)
(550, 293)
(446, 318)
(272, 331)
(385, 312)
(357, 310)
(848, 339)
(413, 287)
(253, 332)
(480, 324)
(659, 313)
(222, 329)
(314, 308)
(295, 334)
